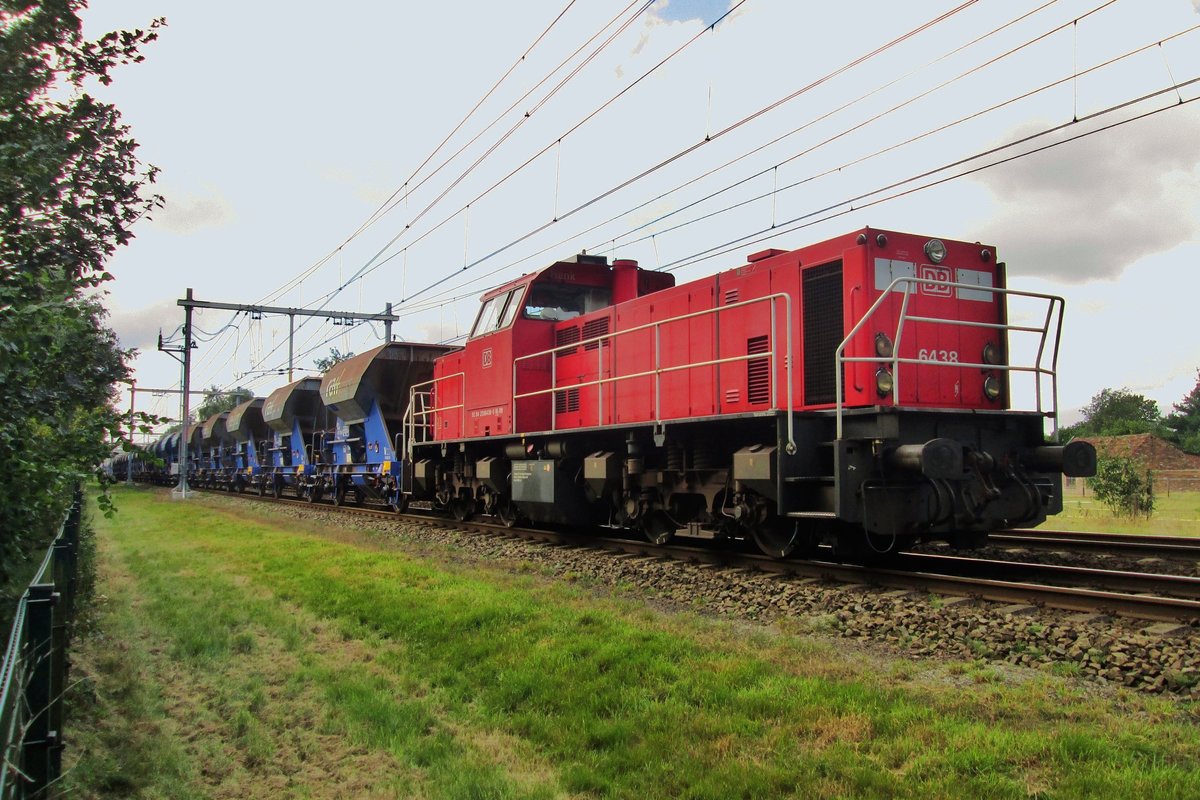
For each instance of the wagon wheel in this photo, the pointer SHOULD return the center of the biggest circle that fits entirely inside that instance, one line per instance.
(359, 496)
(277, 487)
(400, 503)
(262, 487)
(339, 494)
(461, 509)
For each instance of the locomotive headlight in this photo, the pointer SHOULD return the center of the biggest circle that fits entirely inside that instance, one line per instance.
(991, 353)
(935, 251)
(883, 382)
(883, 345)
(991, 387)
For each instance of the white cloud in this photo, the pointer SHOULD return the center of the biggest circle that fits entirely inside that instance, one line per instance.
(1092, 207)
(185, 213)
(140, 328)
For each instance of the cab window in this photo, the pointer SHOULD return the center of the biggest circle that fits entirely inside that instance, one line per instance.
(514, 304)
(496, 313)
(560, 301)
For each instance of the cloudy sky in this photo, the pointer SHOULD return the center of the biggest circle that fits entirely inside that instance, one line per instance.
(295, 148)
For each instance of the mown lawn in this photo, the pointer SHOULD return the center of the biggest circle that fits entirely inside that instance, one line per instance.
(248, 658)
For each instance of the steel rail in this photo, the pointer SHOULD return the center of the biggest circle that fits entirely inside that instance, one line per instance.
(1172, 546)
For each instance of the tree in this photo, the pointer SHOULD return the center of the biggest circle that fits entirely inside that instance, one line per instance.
(335, 357)
(1116, 412)
(1184, 420)
(71, 187)
(217, 400)
(1124, 486)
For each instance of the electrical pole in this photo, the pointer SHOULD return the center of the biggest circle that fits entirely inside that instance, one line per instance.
(185, 412)
(189, 303)
(129, 462)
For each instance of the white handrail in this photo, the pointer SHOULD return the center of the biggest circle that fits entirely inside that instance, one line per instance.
(908, 283)
(771, 354)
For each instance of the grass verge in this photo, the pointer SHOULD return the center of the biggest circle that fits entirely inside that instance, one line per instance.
(1176, 514)
(269, 662)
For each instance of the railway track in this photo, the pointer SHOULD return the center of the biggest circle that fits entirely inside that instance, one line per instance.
(1145, 545)
(1150, 596)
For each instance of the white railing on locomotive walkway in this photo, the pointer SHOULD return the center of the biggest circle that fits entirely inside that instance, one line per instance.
(418, 417)
(905, 285)
(658, 371)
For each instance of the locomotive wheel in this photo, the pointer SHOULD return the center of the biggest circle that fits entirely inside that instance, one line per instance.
(658, 528)
(780, 537)
(506, 513)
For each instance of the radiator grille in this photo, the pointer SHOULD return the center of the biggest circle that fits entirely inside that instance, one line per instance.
(823, 331)
(566, 336)
(758, 371)
(566, 401)
(594, 328)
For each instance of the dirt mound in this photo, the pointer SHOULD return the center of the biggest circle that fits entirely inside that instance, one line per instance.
(1148, 450)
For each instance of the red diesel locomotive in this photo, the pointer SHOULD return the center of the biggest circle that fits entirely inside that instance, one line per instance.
(854, 392)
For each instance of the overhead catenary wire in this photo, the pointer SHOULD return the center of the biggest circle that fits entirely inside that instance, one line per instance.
(853, 162)
(370, 265)
(407, 187)
(856, 201)
(327, 298)
(675, 157)
(730, 162)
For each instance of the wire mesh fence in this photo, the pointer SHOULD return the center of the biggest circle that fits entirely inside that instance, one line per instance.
(34, 672)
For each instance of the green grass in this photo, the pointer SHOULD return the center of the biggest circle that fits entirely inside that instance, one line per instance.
(321, 664)
(1174, 515)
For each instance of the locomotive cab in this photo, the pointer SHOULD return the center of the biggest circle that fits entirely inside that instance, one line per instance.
(498, 384)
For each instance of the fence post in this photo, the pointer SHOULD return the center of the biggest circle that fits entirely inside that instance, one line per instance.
(39, 736)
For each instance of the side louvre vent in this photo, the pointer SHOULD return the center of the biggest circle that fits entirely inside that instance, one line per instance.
(565, 336)
(594, 328)
(823, 331)
(731, 296)
(758, 371)
(566, 401)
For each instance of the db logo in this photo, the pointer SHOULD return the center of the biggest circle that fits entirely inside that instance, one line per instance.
(487, 357)
(941, 275)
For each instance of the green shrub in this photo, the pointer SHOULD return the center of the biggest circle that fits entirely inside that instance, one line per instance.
(1124, 486)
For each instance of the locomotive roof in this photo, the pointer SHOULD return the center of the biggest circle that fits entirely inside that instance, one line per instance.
(582, 268)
